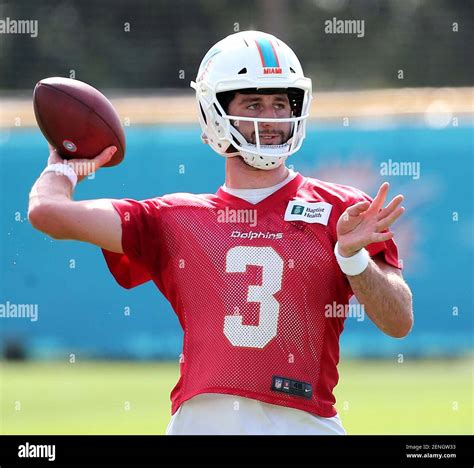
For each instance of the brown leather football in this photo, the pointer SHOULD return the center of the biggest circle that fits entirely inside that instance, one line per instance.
(77, 119)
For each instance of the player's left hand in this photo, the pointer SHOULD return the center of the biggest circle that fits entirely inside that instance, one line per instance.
(364, 223)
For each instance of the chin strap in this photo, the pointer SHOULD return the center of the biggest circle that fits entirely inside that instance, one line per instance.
(267, 159)
(268, 156)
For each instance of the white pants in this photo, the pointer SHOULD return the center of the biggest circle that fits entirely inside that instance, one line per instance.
(220, 414)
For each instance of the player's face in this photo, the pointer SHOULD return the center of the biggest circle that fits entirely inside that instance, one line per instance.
(269, 106)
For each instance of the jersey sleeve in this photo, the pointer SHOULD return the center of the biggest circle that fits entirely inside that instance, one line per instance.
(139, 262)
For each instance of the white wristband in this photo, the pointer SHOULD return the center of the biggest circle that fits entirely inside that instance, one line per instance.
(355, 264)
(63, 169)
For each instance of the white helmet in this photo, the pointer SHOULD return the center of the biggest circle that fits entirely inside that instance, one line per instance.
(256, 62)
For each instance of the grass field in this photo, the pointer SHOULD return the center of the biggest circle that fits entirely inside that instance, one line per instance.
(373, 397)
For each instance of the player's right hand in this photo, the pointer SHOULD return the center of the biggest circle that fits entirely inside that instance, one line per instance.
(82, 167)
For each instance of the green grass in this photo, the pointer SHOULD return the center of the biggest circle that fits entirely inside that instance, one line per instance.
(373, 397)
(418, 397)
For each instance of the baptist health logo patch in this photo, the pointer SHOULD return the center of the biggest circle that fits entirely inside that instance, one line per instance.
(300, 210)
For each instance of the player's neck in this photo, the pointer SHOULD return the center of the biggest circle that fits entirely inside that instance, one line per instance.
(240, 175)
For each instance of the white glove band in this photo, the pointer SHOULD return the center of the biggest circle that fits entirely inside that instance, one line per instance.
(63, 169)
(355, 264)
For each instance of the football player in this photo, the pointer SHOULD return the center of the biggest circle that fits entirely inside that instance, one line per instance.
(257, 272)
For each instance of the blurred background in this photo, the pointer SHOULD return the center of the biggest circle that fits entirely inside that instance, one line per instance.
(92, 358)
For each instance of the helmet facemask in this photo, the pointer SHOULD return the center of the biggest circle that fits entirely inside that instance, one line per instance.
(258, 154)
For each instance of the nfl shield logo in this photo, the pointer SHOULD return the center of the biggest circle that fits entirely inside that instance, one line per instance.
(278, 383)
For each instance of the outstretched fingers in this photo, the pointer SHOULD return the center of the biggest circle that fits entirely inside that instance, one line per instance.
(358, 208)
(379, 199)
(389, 220)
(395, 202)
(381, 236)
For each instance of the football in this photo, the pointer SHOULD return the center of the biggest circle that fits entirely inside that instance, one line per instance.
(77, 119)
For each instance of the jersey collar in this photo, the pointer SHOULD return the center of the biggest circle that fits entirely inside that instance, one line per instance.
(283, 193)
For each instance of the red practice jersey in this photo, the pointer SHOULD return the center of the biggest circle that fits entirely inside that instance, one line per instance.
(250, 284)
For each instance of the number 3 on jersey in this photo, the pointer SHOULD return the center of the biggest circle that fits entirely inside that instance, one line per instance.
(256, 336)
